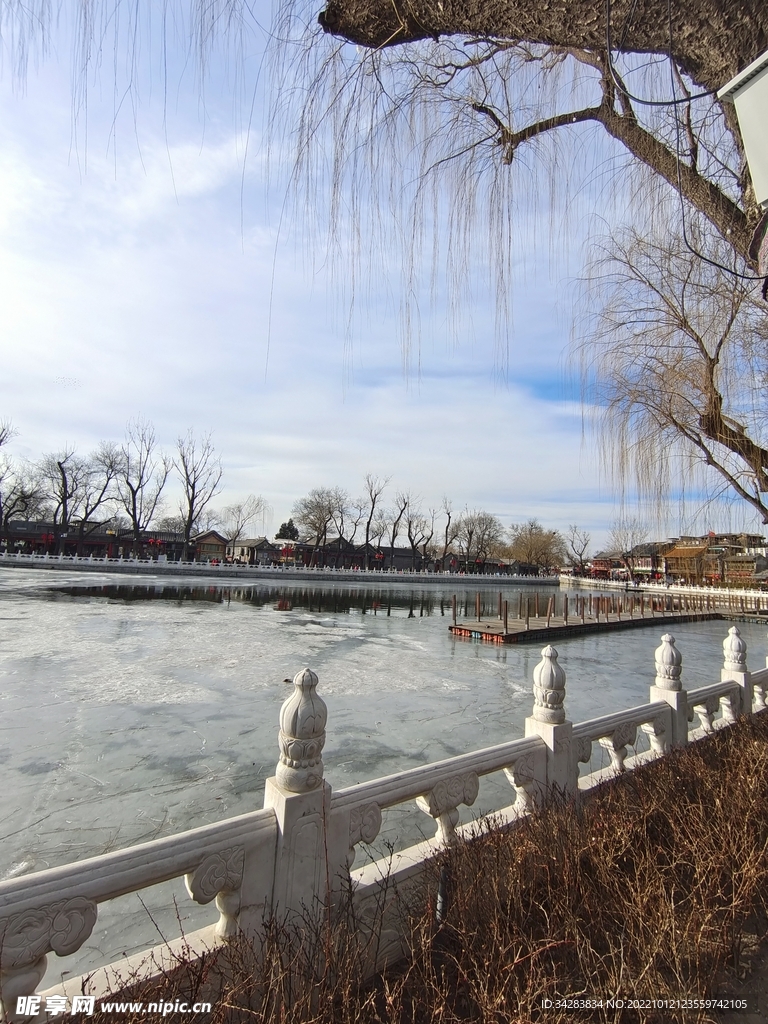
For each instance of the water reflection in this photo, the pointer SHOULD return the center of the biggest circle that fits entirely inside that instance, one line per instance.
(337, 600)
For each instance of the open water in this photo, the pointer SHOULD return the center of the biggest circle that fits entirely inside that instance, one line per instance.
(135, 708)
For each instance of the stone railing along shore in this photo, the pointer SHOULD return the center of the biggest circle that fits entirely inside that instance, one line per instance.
(227, 571)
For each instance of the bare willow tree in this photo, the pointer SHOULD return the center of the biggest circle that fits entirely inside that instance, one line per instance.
(674, 365)
(494, 104)
(460, 119)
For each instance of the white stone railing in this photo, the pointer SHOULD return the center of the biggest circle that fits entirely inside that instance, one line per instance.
(221, 568)
(294, 857)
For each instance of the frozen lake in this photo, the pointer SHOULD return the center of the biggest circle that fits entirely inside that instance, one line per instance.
(137, 708)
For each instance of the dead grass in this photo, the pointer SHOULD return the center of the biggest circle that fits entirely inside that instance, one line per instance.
(652, 887)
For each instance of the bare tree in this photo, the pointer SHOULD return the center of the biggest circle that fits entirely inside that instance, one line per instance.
(98, 490)
(395, 516)
(489, 536)
(474, 69)
(22, 495)
(314, 514)
(531, 543)
(374, 487)
(379, 526)
(578, 542)
(143, 472)
(417, 528)
(199, 469)
(451, 532)
(480, 535)
(63, 475)
(674, 361)
(467, 528)
(237, 516)
(627, 533)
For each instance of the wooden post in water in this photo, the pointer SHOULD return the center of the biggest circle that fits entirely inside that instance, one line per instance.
(499, 604)
(453, 608)
(506, 616)
(477, 605)
(565, 610)
(583, 602)
(520, 605)
(536, 604)
(550, 603)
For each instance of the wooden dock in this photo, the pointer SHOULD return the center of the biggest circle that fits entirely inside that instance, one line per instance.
(537, 631)
(538, 621)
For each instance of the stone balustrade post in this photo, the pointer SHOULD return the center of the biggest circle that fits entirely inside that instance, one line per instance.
(549, 722)
(668, 687)
(300, 798)
(735, 667)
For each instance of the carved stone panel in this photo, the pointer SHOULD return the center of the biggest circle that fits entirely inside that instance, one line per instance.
(364, 823)
(61, 927)
(447, 794)
(219, 872)
(582, 749)
(364, 826)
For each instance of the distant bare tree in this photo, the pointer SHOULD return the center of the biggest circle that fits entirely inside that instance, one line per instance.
(63, 476)
(578, 544)
(22, 495)
(416, 528)
(465, 535)
(480, 535)
(314, 514)
(143, 472)
(199, 469)
(530, 542)
(98, 489)
(240, 514)
(170, 524)
(396, 514)
(451, 533)
(627, 532)
(489, 538)
(358, 511)
(374, 487)
(379, 526)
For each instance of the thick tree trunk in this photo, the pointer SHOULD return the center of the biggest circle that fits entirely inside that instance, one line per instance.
(711, 39)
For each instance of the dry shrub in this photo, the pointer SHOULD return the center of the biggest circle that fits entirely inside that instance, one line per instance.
(646, 888)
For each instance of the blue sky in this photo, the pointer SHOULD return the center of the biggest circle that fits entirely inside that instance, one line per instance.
(143, 273)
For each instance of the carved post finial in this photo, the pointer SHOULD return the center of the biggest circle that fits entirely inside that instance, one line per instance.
(669, 664)
(734, 652)
(302, 736)
(549, 688)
